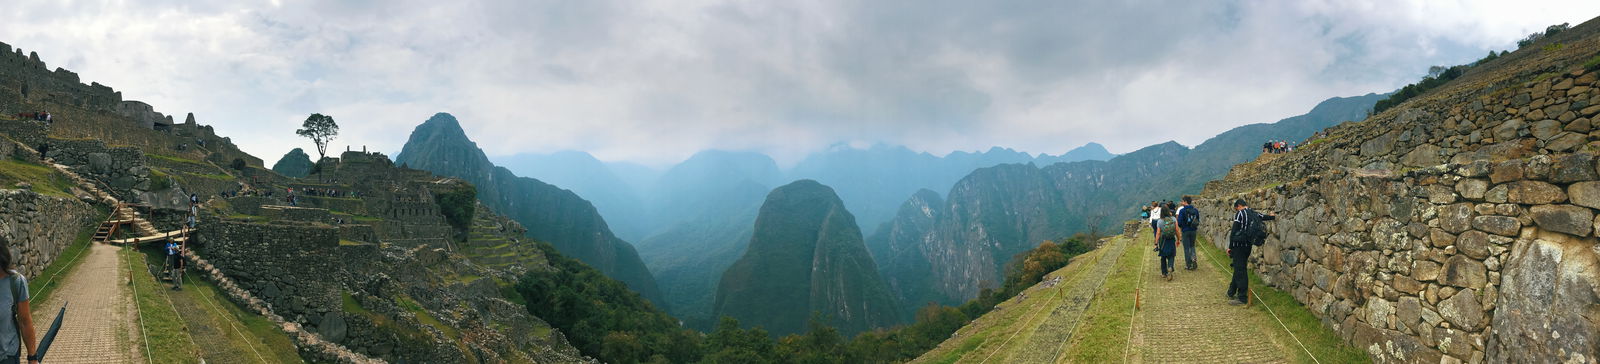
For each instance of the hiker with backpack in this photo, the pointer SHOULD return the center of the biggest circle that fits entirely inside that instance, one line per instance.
(1167, 235)
(1188, 224)
(16, 325)
(1249, 230)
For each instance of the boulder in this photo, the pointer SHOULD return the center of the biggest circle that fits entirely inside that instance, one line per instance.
(1472, 189)
(1506, 171)
(1545, 304)
(333, 327)
(1498, 225)
(1573, 168)
(1545, 129)
(1474, 244)
(1423, 270)
(1409, 311)
(1534, 193)
(1567, 219)
(1567, 141)
(1455, 218)
(1422, 156)
(1464, 272)
(1463, 310)
(1505, 131)
(100, 162)
(1379, 146)
(1585, 193)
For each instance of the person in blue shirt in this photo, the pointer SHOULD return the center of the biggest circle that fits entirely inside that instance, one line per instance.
(173, 262)
(1189, 223)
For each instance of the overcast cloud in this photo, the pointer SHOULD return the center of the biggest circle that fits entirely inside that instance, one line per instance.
(656, 81)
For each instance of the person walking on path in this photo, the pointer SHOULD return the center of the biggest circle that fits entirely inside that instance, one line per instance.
(1249, 230)
(1167, 237)
(1188, 223)
(1155, 215)
(173, 264)
(16, 317)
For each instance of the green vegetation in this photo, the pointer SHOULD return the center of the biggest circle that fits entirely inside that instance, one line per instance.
(1439, 75)
(1323, 342)
(602, 318)
(1104, 331)
(238, 164)
(159, 180)
(457, 205)
(175, 159)
(1536, 36)
(1434, 80)
(45, 180)
(252, 332)
(67, 259)
(215, 176)
(166, 336)
(1593, 64)
(320, 129)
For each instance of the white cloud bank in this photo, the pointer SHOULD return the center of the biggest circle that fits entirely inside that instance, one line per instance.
(655, 81)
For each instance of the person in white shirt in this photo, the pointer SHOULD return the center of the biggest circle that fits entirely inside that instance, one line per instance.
(1155, 216)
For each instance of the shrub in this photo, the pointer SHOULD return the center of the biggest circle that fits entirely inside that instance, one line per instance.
(458, 206)
(238, 164)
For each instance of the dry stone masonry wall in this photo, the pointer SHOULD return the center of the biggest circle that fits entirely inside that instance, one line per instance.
(39, 227)
(1459, 226)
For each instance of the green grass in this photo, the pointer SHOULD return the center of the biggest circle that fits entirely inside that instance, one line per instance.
(1103, 336)
(1593, 64)
(45, 180)
(168, 339)
(50, 278)
(245, 331)
(215, 176)
(1323, 342)
(1545, 76)
(176, 159)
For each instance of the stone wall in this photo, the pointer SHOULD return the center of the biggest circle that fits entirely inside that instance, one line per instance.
(120, 168)
(301, 214)
(38, 227)
(1458, 226)
(28, 132)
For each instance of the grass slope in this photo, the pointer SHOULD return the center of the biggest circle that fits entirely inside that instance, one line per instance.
(166, 336)
(1104, 335)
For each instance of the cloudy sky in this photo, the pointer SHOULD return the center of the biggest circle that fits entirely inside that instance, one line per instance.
(655, 81)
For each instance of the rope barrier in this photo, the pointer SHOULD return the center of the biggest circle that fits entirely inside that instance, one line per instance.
(1144, 262)
(142, 331)
(231, 323)
(1269, 311)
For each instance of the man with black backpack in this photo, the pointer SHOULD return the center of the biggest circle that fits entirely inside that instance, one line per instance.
(1249, 230)
(1188, 222)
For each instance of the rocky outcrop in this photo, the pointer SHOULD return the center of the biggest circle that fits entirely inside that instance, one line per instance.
(295, 164)
(1459, 226)
(806, 255)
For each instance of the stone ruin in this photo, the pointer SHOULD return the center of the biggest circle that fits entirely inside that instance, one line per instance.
(1457, 227)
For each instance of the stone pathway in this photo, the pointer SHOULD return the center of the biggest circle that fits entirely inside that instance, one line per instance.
(1188, 320)
(98, 327)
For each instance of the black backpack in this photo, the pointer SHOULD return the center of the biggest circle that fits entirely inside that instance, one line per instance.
(1190, 220)
(1255, 229)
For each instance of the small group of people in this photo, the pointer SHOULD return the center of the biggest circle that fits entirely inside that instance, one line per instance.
(38, 116)
(1277, 147)
(1173, 225)
(1178, 225)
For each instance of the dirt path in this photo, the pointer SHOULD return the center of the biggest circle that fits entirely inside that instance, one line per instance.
(1188, 320)
(98, 327)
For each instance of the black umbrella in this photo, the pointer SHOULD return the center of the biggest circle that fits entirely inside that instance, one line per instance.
(50, 336)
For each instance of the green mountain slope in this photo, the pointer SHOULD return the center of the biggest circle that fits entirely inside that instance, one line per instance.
(806, 255)
(550, 213)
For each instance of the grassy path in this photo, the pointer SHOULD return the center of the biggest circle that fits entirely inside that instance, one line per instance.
(1188, 320)
(219, 330)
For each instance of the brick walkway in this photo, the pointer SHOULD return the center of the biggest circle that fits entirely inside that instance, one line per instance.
(98, 327)
(1188, 320)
